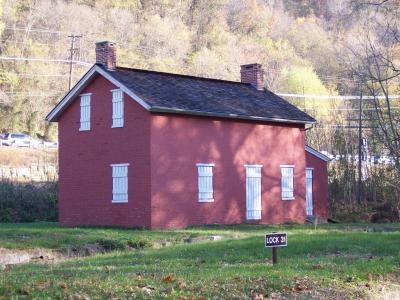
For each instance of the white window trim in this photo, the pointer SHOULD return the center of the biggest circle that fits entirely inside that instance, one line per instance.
(212, 183)
(120, 165)
(207, 200)
(205, 165)
(287, 166)
(120, 201)
(80, 112)
(253, 166)
(123, 109)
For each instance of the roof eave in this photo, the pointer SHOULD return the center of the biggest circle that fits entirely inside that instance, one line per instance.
(223, 115)
(56, 111)
(317, 154)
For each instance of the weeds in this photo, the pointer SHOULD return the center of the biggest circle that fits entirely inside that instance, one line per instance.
(28, 202)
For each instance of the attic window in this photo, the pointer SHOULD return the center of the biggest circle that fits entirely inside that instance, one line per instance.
(117, 108)
(85, 112)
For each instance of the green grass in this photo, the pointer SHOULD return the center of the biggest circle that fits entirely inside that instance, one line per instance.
(344, 258)
(52, 236)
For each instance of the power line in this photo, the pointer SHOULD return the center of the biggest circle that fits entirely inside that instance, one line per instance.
(344, 97)
(325, 97)
(45, 30)
(45, 60)
(41, 30)
(33, 74)
(34, 93)
(21, 42)
(310, 109)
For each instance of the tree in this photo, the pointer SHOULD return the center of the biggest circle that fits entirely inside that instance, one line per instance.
(374, 59)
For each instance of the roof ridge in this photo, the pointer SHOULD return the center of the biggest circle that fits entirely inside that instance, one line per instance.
(183, 75)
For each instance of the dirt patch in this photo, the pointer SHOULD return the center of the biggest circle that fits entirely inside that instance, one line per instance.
(86, 250)
(382, 229)
(304, 290)
(388, 289)
(209, 238)
(192, 240)
(10, 257)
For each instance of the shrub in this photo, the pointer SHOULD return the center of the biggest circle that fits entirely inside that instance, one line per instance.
(110, 245)
(28, 202)
(139, 244)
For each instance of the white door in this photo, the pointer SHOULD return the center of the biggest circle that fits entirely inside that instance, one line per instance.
(253, 192)
(309, 191)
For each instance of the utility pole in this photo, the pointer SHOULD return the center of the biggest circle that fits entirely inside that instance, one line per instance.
(72, 50)
(359, 189)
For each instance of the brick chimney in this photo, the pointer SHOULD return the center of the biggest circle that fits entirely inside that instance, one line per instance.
(254, 74)
(106, 55)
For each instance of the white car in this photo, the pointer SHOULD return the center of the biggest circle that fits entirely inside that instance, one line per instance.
(16, 140)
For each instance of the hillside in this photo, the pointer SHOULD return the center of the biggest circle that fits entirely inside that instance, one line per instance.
(296, 41)
(315, 49)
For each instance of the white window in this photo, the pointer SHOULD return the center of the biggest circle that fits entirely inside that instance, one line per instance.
(205, 182)
(287, 182)
(85, 112)
(118, 108)
(120, 183)
(253, 192)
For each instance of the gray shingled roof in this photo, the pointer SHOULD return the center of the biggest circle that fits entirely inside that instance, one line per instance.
(204, 96)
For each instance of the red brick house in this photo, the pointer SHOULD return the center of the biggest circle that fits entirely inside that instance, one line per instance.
(141, 148)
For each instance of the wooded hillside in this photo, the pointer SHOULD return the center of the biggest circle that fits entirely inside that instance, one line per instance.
(298, 43)
(318, 50)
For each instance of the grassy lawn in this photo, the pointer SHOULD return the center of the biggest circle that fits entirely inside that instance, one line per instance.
(52, 236)
(333, 261)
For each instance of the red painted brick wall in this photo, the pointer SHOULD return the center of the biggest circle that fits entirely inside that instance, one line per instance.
(179, 142)
(85, 187)
(320, 185)
(163, 151)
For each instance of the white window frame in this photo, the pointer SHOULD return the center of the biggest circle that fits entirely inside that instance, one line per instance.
(290, 182)
(205, 182)
(85, 111)
(120, 182)
(253, 192)
(117, 108)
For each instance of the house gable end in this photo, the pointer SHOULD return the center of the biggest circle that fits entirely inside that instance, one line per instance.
(85, 80)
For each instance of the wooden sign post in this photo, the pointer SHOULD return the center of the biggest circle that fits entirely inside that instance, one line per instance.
(274, 240)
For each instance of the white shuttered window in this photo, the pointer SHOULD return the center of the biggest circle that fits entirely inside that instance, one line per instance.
(253, 192)
(118, 108)
(85, 112)
(205, 182)
(120, 183)
(287, 182)
(309, 191)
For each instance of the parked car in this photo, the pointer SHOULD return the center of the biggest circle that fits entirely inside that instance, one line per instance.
(17, 140)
